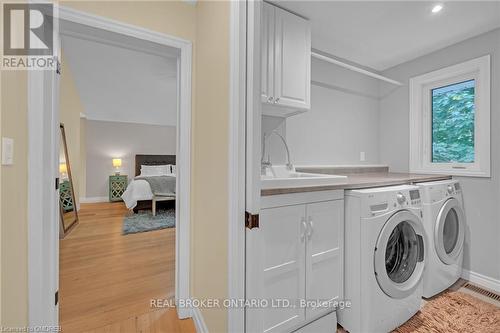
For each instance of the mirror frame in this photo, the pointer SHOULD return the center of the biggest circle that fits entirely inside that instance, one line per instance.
(63, 229)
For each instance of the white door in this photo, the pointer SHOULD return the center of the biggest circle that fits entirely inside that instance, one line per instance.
(43, 196)
(449, 232)
(292, 60)
(324, 255)
(267, 51)
(276, 269)
(399, 255)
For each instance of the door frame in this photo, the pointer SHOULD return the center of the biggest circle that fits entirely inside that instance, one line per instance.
(43, 258)
(237, 163)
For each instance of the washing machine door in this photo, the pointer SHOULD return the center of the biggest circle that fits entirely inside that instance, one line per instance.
(449, 231)
(399, 255)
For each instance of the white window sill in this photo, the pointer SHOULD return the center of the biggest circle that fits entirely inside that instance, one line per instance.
(453, 172)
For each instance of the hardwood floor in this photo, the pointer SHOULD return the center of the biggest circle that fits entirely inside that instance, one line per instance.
(107, 279)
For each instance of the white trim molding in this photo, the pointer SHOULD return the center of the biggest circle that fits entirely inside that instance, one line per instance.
(41, 91)
(421, 118)
(481, 280)
(93, 199)
(199, 321)
(236, 220)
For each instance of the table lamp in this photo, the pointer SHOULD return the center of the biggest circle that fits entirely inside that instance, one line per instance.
(117, 163)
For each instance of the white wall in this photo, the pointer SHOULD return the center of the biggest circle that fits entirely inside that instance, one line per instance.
(275, 150)
(342, 121)
(106, 140)
(481, 195)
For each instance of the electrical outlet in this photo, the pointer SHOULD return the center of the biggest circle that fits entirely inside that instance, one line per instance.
(7, 151)
(362, 156)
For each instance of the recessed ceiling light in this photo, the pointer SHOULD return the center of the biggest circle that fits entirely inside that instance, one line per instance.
(437, 9)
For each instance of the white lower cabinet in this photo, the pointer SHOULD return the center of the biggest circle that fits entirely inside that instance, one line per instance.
(325, 324)
(295, 261)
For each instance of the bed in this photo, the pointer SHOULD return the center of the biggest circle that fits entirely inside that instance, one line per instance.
(138, 194)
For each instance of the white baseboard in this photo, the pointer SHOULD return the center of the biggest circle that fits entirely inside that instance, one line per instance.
(482, 280)
(199, 322)
(94, 199)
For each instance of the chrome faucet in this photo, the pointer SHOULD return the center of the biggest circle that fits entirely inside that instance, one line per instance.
(267, 164)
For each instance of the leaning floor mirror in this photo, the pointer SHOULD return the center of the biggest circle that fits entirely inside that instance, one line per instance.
(69, 214)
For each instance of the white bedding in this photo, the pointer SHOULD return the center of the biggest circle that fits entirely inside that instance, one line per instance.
(138, 189)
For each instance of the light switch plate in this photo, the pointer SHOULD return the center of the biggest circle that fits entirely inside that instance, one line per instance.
(362, 156)
(7, 151)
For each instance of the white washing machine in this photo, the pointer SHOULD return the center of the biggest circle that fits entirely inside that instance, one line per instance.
(384, 258)
(444, 224)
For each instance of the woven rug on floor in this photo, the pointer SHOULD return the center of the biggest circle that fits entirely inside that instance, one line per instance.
(144, 221)
(454, 311)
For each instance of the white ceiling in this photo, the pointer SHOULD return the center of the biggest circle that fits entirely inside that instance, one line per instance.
(122, 83)
(381, 35)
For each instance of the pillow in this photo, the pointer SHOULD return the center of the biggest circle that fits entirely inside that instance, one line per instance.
(171, 168)
(155, 170)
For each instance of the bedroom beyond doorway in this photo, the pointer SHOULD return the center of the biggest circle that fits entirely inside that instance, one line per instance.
(119, 105)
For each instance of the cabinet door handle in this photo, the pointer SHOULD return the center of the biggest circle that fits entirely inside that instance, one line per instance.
(303, 231)
(270, 99)
(310, 229)
(276, 100)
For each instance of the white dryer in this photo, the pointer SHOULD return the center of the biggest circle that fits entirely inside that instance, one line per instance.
(444, 224)
(384, 258)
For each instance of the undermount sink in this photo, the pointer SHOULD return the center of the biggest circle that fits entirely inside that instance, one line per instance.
(281, 177)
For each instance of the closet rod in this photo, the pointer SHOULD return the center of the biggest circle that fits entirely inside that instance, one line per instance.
(353, 68)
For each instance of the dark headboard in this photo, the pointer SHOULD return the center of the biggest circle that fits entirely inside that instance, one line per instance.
(152, 160)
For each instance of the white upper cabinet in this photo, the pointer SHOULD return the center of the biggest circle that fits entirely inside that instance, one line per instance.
(267, 49)
(286, 62)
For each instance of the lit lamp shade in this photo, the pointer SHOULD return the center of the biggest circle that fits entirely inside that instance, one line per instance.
(63, 168)
(117, 163)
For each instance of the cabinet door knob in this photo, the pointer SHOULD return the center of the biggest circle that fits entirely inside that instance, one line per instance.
(270, 99)
(303, 231)
(310, 229)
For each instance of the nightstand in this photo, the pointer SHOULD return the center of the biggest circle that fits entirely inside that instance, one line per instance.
(117, 185)
(65, 196)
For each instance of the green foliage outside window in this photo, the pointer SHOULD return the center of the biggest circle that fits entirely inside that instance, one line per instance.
(453, 123)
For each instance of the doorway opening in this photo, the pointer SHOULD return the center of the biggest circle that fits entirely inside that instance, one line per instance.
(120, 109)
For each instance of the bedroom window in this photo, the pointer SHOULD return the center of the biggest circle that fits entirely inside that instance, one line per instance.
(450, 120)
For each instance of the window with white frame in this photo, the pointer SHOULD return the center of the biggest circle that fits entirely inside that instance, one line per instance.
(450, 120)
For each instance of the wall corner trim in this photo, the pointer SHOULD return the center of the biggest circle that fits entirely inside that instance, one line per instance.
(93, 199)
(481, 280)
(199, 321)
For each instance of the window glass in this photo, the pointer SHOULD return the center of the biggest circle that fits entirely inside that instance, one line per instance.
(453, 115)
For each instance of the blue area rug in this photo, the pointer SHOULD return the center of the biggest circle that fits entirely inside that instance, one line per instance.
(144, 221)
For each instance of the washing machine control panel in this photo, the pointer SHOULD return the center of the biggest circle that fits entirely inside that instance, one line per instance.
(400, 197)
(381, 202)
(415, 197)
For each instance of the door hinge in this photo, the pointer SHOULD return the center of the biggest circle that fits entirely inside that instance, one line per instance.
(251, 220)
(56, 298)
(58, 67)
(57, 183)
